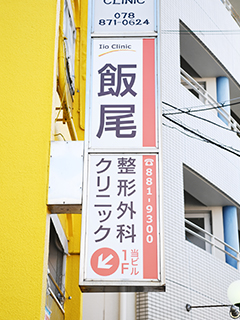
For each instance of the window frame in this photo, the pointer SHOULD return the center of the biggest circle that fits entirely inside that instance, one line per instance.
(207, 216)
(59, 232)
(70, 34)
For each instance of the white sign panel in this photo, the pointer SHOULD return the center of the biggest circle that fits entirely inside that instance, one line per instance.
(122, 228)
(121, 241)
(123, 94)
(124, 16)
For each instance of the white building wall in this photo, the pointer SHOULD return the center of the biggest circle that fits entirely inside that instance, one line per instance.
(219, 37)
(193, 275)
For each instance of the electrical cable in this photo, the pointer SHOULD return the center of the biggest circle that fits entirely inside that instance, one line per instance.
(197, 117)
(203, 109)
(206, 139)
(192, 290)
(203, 32)
(200, 107)
(188, 135)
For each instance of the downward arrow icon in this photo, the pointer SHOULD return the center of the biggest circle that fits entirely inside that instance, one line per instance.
(102, 264)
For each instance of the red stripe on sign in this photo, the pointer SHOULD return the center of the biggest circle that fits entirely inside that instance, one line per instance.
(149, 131)
(150, 260)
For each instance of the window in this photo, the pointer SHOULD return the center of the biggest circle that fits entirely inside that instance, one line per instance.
(69, 31)
(55, 262)
(199, 69)
(203, 204)
(199, 222)
(56, 269)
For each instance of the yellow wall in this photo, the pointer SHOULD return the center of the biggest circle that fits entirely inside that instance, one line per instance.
(73, 306)
(81, 6)
(71, 223)
(29, 48)
(26, 87)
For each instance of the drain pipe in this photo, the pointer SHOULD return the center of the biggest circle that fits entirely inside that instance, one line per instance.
(122, 306)
(223, 97)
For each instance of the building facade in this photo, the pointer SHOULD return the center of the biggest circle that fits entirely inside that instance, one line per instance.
(200, 152)
(43, 90)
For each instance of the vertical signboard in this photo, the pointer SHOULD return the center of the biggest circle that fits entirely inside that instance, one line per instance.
(123, 109)
(122, 214)
(124, 16)
(121, 246)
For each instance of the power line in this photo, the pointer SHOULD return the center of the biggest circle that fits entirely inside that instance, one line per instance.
(206, 139)
(188, 135)
(205, 32)
(202, 109)
(192, 289)
(197, 117)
